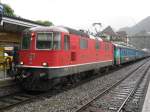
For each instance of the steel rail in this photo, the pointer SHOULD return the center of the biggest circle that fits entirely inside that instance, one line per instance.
(107, 90)
(133, 90)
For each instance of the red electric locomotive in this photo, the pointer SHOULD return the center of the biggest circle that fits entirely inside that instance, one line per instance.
(50, 53)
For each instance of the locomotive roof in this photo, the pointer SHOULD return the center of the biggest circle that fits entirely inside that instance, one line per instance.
(77, 32)
(49, 28)
(62, 29)
(98, 38)
(59, 29)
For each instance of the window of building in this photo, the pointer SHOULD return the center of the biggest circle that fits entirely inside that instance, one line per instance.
(83, 43)
(66, 42)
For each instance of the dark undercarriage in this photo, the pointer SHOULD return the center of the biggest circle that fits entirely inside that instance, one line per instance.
(43, 79)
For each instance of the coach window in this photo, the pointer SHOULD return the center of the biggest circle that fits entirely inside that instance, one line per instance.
(66, 42)
(83, 43)
(44, 41)
(97, 44)
(57, 41)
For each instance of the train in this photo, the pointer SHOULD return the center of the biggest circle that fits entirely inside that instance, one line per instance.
(52, 54)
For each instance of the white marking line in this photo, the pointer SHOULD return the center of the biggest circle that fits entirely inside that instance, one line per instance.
(63, 66)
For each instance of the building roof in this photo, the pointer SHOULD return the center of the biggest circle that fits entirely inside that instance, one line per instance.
(22, 19)
(121, 34)
(16, 24)
(109, 31)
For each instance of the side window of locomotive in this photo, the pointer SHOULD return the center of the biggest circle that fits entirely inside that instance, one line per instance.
(106, 46)
(57, 41)
(26, 41)
(44, 41)
(97, 45)
(66, 42)
(83, 43)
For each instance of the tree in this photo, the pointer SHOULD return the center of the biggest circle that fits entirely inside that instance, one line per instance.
(47, 23)
(8, 10)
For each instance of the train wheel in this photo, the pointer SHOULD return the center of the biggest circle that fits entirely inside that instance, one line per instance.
(34, 83)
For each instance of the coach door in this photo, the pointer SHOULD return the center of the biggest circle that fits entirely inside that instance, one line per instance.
(118, 56)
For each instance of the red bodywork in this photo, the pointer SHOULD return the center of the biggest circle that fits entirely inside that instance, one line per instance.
(75, 55)
(42, 66)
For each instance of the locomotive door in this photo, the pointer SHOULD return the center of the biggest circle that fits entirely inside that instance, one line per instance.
(67, 50)
(73, 51)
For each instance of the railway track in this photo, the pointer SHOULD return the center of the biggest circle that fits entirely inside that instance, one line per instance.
(116, 96)
(6, 83)
(8, 86)
(136, 101)
(13, 100)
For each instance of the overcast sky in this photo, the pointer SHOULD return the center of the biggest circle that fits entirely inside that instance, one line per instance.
(82, 13)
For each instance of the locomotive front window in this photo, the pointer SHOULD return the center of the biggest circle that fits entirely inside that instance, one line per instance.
(26, 41)
(44, 41)
(50, 40)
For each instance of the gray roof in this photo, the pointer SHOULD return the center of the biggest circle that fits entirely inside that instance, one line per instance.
(109, 31)
(16, 24)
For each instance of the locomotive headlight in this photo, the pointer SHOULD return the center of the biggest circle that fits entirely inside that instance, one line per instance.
(21, 63)
(44, 64)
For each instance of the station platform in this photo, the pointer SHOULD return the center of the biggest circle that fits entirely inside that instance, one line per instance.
(146, 105)
(5, 80)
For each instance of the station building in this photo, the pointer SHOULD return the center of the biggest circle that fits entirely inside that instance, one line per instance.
(10, 33)
(11, 28)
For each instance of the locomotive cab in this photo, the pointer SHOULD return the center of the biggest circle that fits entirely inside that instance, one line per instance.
(39, 56)
(37, 48)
